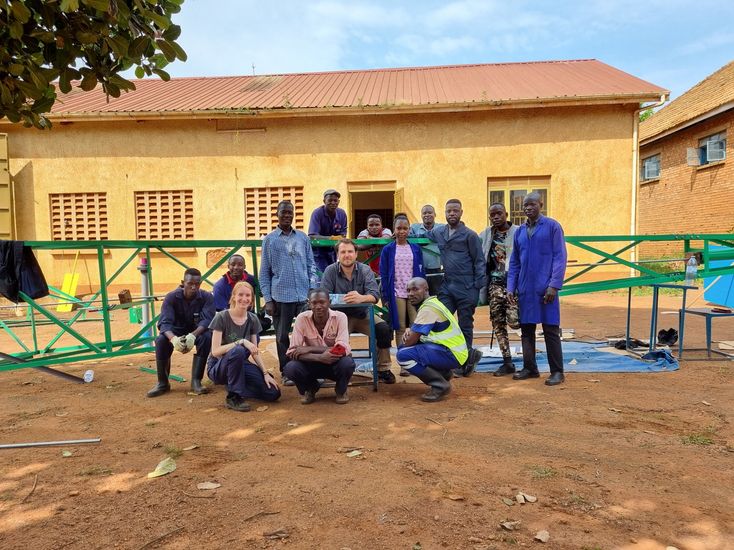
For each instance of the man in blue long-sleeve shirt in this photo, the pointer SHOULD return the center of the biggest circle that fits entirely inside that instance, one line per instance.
(465, 273)
(184, 324)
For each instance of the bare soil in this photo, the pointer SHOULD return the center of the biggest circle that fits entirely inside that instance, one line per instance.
(616, 461)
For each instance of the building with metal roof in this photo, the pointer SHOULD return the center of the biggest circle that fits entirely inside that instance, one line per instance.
(209, 158)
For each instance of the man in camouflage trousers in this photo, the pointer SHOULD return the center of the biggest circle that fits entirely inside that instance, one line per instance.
(497, 241)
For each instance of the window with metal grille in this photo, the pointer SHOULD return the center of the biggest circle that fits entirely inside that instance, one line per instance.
(78, 216)
(712, 148)
(164, 214)
(261, 209)
(511, 192)
(651, 167)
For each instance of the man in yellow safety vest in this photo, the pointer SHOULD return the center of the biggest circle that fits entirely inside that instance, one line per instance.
(434, 344)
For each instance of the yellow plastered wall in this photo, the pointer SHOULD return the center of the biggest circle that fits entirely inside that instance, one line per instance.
(586, 151)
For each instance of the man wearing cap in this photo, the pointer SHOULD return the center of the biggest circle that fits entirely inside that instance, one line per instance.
(327, 221)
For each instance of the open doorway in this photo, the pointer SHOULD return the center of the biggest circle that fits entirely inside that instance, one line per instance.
(364, 203)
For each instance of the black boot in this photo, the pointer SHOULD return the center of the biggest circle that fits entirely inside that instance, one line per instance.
(439, 386)
(197, 373)
(507, 368)
(471, 363)
(163, 368)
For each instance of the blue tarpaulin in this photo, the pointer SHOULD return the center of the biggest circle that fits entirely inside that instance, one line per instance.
(588, 357)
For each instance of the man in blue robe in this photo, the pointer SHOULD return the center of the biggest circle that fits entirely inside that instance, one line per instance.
(537, 269)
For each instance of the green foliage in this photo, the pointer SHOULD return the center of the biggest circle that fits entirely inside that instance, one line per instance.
(697, 439)
(53, 45)
(647, 113)
(543, 472)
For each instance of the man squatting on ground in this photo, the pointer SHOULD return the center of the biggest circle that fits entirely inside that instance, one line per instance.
(537, 269)
(235, 360)
(497, 243)
(287, 272)
(183, 325)
(320, 349)
(434, 344)
(465, 274)
(357, 283)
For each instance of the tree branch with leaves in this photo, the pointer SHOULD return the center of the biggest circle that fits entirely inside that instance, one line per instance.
(50, 46)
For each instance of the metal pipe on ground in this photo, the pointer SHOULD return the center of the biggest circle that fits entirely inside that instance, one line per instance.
(50, 443)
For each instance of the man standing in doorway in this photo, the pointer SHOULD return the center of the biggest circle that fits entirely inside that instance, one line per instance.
(327, 221)
(357, 284)
(375, 230)
(431, 254)
(287, 273)
(497, 241)
(537, 269)
(464, 275)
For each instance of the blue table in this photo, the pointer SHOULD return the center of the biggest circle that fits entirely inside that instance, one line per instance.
(709, 316)
(337, 304)
(654, 314)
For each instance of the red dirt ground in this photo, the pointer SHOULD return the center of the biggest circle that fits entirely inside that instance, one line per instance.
(616, 461)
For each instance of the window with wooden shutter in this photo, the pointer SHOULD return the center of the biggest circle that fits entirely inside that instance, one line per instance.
(164, 214)
(78, 216)
(261, 209)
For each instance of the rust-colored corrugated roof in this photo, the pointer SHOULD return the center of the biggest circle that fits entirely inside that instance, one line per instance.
(705, 97)
(586, 79)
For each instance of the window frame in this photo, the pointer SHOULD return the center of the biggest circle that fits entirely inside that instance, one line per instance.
(526, 184)
(254, 209)
(643, 165)
(162, 225)
(703, 147)
(81, 208)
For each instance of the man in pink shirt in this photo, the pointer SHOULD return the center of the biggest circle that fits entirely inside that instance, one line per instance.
(320, 349)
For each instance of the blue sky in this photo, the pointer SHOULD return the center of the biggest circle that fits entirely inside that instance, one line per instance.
(671, 43)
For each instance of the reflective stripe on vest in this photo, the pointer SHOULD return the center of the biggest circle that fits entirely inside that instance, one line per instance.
(451, 337)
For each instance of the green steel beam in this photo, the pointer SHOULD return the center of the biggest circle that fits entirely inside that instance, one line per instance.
(43, 311)
(615, 258)
(589, 268)
(141, 342)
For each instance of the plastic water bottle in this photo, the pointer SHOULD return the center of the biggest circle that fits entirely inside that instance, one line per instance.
(88, 376)
(691, 271)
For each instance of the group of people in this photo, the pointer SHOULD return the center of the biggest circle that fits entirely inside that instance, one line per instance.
(430, 292)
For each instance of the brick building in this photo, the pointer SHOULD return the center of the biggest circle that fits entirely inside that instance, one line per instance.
(687, 164)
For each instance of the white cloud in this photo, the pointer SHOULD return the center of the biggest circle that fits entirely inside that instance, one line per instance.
(706, 43)
(227, 36)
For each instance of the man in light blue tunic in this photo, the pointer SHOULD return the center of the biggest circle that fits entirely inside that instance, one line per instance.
(537, 269)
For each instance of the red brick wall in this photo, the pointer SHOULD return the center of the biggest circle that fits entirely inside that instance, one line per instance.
(687, 199)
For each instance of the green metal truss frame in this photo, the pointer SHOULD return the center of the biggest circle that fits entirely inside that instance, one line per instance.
(42, 355)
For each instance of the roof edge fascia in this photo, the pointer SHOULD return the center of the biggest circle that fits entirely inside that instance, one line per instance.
(688, 123)
(356, 111)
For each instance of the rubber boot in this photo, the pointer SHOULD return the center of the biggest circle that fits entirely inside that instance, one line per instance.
(439, 386)
(197, 373)
(163, 369)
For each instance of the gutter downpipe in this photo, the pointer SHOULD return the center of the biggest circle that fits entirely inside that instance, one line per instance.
(636, 171)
